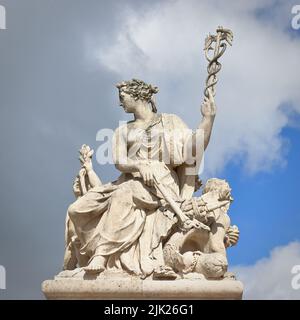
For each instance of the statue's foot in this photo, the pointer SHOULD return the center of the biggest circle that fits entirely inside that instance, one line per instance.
(193, 275)
(164, 273)
(96, 265)
(229, 275)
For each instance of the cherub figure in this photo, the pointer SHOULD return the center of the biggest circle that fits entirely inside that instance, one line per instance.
(198, 251)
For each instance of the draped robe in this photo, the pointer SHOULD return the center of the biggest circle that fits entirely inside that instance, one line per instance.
(127, 221)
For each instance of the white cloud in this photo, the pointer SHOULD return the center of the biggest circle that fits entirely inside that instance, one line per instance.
(271, 277)
(163, 45)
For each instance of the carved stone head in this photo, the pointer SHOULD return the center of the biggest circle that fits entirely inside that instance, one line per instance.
(220, 186)
(139, 90)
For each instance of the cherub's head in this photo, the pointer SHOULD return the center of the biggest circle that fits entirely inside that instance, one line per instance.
(134, 91)
(220, 186)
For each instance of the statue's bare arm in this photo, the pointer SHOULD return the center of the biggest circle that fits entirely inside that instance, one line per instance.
(124, 163)
(208, 110)
(120, 154)
(93, 177)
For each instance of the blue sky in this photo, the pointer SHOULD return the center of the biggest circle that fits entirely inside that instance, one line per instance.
(59, 64)
(265, 206)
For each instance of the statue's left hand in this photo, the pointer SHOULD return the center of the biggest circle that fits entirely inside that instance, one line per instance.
(232, 236)
(208, 108)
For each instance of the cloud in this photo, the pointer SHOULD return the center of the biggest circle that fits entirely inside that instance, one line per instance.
(271, 277)
(258, 86)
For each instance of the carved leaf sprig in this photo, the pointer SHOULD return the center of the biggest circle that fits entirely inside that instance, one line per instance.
(85, 153)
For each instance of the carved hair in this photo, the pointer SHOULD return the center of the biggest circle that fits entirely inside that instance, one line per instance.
(138, 89)
(218, 185)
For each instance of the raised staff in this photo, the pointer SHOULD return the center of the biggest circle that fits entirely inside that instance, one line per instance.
(218, 44)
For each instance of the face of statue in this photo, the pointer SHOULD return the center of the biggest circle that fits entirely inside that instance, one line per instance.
(225, 193)
(127, 102)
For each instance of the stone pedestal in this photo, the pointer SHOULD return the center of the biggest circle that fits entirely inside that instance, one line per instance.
(135, 288)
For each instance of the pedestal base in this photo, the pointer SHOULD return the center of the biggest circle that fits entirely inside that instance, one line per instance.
(135, 288)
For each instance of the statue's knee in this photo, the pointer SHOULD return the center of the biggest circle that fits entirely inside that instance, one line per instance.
(218, 247)
(212, 265)
(216, 243)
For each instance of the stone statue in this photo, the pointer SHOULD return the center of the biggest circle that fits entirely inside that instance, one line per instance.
(124, 224)
(148, 223)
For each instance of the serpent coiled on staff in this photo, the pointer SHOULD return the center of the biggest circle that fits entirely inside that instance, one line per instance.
(214, 66)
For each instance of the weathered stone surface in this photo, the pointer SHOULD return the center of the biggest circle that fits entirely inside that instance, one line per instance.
(136, 288)
(147, 235)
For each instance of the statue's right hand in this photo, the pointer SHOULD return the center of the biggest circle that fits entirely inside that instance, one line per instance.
(208, 108)
(147, 174)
